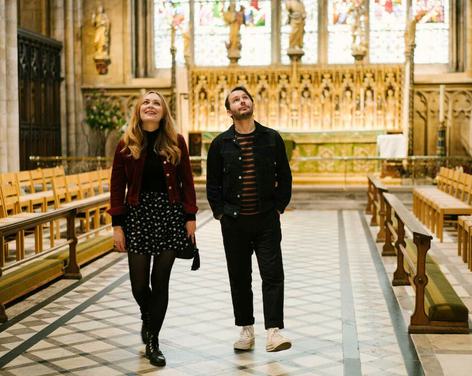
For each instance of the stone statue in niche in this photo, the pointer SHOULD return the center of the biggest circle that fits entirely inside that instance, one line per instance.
(283, 109)
(358, 29)
(263, 105)
(316, 112)
(369, 110)
(222, 118)
(390, 110)
(234, 19)
(380, 112)
(296, 19)
(202, 110)
(337, 121)
(306, 110)
(186, 37)
(101, 41)
(359, 121)
(326, 108)
(348, 108)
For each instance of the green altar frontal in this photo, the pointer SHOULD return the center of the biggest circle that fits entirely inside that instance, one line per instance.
(323, 144)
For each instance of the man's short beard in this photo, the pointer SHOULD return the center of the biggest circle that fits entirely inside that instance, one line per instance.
(244, 116)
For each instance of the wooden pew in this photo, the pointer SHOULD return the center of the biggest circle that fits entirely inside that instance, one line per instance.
(452, 198)
(438, 309)
(376, 205)
(464, 239)
(62, 260)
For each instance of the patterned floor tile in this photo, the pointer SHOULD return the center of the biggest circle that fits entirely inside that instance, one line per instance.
(335, 311)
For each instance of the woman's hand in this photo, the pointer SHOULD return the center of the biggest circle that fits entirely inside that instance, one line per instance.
(191, 227)
(119, 239)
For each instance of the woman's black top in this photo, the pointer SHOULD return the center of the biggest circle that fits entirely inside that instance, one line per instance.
(153, 172)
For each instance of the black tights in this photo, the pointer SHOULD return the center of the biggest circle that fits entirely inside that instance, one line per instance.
(152, 299)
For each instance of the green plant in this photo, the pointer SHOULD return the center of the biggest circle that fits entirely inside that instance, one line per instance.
(103, 115)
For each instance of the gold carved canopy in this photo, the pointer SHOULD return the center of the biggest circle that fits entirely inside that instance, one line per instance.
(302, 98)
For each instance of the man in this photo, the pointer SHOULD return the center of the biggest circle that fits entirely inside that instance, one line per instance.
(249, 184)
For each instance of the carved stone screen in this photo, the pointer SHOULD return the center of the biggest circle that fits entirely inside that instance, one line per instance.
(331, 98)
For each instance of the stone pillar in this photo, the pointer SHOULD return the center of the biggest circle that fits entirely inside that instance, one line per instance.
(3, 92)
(468, 57)
(69, 74)
(13, 116)
(58, 32)
(9, 117)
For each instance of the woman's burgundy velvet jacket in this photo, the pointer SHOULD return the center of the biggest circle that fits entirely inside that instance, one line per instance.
(127, 174)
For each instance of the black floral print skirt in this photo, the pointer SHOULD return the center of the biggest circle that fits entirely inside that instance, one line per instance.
(155, 225)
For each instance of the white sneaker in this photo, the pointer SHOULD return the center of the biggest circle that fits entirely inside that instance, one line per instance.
(276, 341)
(246, 339)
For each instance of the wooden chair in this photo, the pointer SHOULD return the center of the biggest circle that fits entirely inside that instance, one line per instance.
(50, 173)
(23, 180)
(11, 211)
(37, 181)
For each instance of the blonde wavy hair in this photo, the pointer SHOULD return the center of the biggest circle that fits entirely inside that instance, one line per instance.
(166, 142)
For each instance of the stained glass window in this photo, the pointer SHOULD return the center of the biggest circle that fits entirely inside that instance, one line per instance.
(212, 32)
(167, 12)
(310, 39)
(387, 29)
(432, 31)
(339, 32)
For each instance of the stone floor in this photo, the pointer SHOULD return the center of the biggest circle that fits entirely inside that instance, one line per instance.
(341, 312)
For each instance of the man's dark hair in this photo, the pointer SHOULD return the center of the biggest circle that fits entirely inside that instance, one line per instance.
(242, 88)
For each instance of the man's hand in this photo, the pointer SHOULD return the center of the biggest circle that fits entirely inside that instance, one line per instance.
(119, 239)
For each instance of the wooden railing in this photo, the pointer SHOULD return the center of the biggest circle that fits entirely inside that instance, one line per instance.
(376, 204)
(26, 283)
(70, 213)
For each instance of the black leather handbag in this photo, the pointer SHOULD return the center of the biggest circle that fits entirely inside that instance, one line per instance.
(190, 251)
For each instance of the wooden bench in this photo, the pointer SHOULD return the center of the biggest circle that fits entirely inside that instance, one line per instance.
(464, 239)
(437, 309)
(452, 198)
(29, 273)
(376, 205)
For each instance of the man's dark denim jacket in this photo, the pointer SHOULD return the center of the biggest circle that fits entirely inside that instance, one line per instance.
(224, 172)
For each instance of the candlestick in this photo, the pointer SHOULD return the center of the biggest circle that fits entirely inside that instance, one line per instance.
(441, 102)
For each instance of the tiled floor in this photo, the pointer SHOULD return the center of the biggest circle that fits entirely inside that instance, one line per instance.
(340, 312)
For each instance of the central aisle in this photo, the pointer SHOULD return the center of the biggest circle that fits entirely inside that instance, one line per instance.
(336, 313)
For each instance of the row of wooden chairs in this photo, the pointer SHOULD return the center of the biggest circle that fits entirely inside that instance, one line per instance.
(33, 181)
(63, 189)
(451, 197)
(81, 186)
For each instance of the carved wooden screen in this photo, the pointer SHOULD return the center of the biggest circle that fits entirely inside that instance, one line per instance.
(39, 79)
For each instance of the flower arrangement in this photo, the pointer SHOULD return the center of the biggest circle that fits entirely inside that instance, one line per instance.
(103, 115)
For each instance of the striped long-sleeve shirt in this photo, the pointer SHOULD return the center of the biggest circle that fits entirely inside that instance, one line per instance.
(249, 199)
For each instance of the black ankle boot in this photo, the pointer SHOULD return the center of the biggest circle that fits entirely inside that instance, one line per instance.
(146, 317)
(155, 356)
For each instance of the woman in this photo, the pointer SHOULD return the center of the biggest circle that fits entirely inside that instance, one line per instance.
(157, 217)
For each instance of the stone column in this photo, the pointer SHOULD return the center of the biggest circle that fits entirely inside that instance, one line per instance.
(3, 92)
(468, 57)
(9, 117)
(57, 32)
(13, 118)
(69, 73)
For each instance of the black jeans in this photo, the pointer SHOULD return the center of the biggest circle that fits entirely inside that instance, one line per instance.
(241, 236)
